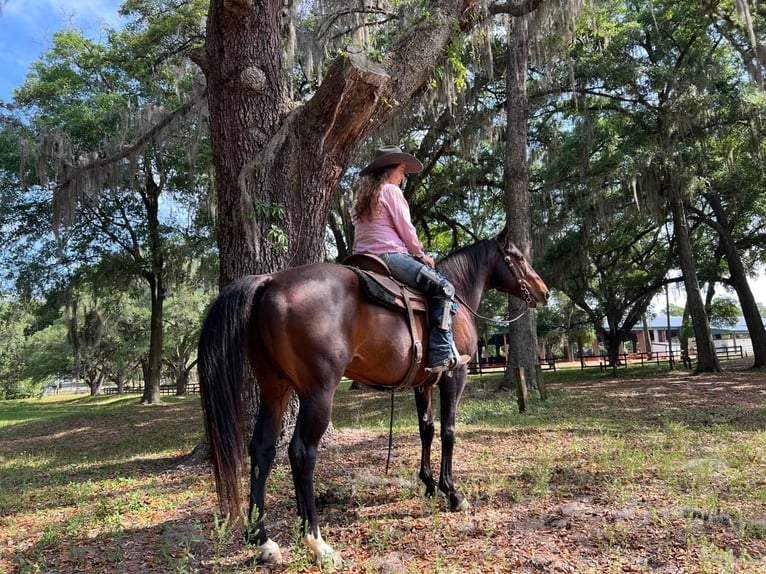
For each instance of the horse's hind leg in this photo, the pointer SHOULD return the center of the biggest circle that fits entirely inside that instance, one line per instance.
(313, 419)
(423, 404)
(273, 402)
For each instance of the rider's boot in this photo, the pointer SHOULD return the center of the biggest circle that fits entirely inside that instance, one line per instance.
(442, 355)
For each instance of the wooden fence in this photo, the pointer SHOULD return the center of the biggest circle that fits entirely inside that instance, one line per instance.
(164, 389)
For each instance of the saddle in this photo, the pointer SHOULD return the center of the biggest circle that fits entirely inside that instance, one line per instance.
(380, 287)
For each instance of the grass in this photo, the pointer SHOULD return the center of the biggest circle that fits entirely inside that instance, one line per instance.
(645, 475)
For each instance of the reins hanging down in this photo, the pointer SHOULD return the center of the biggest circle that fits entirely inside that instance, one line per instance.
(390, 431)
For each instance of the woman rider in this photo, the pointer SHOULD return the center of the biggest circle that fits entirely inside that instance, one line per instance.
(383, 227)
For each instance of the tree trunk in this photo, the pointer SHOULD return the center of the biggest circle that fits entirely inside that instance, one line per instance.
(612, 342)
(707, 360)
(647, 340)
(154, 276)
(738, 280)
(522, 344)
(95, 381)
(182, 382)
(278, 162)
(683, 337)
(73, 332)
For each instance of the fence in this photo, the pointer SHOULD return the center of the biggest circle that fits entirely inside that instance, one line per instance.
(603, 361)
(489, 367)
(677, 356)
(164, 389)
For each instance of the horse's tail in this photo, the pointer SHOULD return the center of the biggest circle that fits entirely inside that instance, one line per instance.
(221, 359)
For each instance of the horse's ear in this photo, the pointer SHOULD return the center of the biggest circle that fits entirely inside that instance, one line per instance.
(502, 237)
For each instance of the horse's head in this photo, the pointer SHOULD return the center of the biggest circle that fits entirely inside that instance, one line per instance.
(513, 274)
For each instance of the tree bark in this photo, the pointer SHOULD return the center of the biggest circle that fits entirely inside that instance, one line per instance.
(647, 340)
(707, 360)
(154, 276)
(277, 162)
(738, 280)
(522, 341)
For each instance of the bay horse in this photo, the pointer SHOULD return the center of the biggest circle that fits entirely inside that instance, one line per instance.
(304, 328)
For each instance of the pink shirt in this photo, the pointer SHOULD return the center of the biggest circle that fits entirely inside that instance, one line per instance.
(390, 230)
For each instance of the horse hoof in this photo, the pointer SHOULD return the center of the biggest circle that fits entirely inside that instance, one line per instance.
(324, 556)
(329, 562)
(269, 553)
(459, 503)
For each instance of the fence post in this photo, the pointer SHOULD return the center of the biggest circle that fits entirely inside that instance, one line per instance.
(541, 383)
(521, 388)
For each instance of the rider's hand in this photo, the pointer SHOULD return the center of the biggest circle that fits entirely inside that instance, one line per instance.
(427, 258)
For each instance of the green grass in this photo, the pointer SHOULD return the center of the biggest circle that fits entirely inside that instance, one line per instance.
(618, 474)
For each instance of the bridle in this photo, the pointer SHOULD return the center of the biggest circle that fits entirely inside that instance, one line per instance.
(516, 271)
(519, 275)
(512, 265)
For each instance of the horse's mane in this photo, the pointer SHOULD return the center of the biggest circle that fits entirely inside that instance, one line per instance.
(462, 265)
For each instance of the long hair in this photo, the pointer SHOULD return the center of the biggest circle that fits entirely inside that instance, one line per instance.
(368, 194)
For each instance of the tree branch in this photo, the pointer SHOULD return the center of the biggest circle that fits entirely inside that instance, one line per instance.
(514, 8)
(136, 146)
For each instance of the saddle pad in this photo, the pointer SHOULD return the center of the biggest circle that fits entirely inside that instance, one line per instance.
(388, 292)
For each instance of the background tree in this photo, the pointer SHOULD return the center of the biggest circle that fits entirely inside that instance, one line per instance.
(185, 310)
(522, 340)
(121, 200)
(652, 130)
(734, 188)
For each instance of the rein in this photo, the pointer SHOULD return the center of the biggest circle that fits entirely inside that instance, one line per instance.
(488, 319)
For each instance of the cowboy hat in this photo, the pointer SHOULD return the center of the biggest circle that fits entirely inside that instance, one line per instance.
(392, 155)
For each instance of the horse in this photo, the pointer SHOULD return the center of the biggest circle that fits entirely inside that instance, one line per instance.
(304, 328)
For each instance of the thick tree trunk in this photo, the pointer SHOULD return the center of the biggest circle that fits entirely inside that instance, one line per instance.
(181, 383)
(738, 280)
(278, 162)
(522, 343)
(707, 360)
(612, 342)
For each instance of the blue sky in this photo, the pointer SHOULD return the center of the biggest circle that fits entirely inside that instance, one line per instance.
(26, 28)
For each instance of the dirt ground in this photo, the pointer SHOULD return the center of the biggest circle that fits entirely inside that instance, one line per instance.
(582, 514)
(544, 498)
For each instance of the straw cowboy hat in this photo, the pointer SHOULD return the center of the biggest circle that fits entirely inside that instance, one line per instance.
(392, 155)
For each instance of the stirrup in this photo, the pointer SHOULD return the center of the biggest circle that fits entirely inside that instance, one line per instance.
(449, 364)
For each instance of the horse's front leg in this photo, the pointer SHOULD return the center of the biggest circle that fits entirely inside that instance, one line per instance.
(423, 404)
(450, 390)
(312, 422)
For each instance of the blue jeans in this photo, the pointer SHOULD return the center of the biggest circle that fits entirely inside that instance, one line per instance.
(441, 307)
